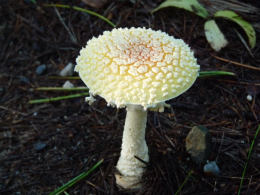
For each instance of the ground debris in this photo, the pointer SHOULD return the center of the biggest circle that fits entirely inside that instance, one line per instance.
(78, 135)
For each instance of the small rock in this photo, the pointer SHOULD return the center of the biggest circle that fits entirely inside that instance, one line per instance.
(24, 79)
(39, 146)
(68, 85)
(68, 70)
(198, 143)
(41, 69)
(211, 168)
(2, 90)
(249, 97)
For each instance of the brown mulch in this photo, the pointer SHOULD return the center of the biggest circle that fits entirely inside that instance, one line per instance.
(42, 146)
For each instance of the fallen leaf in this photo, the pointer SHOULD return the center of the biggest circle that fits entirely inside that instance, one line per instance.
(214, 36)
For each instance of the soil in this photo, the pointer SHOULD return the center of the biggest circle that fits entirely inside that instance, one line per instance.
(42, 146)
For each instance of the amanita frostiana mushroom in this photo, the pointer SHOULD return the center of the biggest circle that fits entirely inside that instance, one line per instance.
(139, 69)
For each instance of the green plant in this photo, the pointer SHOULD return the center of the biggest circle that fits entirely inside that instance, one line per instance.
(248, 158)
(202, 74)
(213, 34)
(82, 10)
(76, 179)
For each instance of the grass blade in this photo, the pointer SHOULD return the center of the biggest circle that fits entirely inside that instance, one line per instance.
(94, 14)
(203, 74)
(61, 89)
(82, 10)
(184, 182)
(45, 100)
(76, 179)
(248, 157)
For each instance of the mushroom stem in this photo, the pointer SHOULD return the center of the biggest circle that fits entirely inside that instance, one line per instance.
(133, 144)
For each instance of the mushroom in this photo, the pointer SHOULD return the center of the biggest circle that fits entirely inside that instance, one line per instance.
(139, 69)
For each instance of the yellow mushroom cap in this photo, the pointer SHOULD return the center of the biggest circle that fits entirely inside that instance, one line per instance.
(137, 66)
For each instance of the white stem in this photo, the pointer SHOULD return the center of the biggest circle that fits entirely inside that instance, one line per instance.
(133, 144)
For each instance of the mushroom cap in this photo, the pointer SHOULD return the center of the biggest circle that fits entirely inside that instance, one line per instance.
(137, 66)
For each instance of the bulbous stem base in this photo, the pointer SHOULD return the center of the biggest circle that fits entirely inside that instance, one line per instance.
(133, 144)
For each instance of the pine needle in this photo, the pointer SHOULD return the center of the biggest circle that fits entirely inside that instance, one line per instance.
(184, 182)
(203, 74)
(76, 179)
(82, 10)
(46, 100)
(61, 89)
(248, 158)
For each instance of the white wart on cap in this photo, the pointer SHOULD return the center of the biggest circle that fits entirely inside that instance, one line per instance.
(137, 66)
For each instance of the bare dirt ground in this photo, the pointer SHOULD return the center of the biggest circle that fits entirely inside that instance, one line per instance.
(42, 146)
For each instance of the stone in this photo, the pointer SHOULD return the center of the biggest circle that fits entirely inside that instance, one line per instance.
(2, 90)
(249, 97)
(24, 79)
(198, 142)
(41, 69)
(68, 85)
(211, 168)
(39, 146)
(68, 70)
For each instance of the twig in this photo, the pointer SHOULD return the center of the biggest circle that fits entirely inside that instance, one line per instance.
(96, 187)
(239, 82)
(141, 160)
(237, 63)
(72, 36)
(244, 43)
(11, 110)
(220, 147)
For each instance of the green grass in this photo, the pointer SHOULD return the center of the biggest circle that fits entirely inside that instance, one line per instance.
(76, 179)
(184, 182)
(248, 158)
(61, 89)
(82, 10)
(203, 74)
(46, 100)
